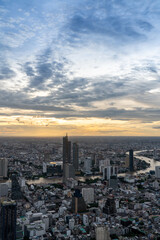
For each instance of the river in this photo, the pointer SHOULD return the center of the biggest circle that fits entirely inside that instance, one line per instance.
(151, 161)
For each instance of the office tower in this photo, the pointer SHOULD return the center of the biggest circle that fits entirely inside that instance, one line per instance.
(110, 206)
(157, 171)
(16, 193)
(75, 156)
(131, 167)
(88, 195)
(102, 233)
(3, 167)
(78, 204)
(109, 171)
(8, 221)
(68, 172)
(66, 156)
(87, 165)
(67, 169)
(66, 150)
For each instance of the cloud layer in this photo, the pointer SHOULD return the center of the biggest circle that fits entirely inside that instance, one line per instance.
(81, 59)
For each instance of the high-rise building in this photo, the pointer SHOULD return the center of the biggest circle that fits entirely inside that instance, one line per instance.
(67, 169)
(3, 167)
(66, 150)
(109, 171)
(110, 206)
(78, 204)
(103, 164)
(131, 166)
(87, 165)
(102, 233)
(8, 221)
(88, 195)
(68, 172)
(75, 156)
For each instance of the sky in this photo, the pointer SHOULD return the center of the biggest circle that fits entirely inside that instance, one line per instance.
(86, 67)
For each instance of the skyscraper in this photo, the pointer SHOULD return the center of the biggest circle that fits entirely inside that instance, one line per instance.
(66, 156)
(75, 156)
(66, 150)
(78, 204)
(110, 206)
(8, 221)
(131, 167)
(3, 167)
(68, 172)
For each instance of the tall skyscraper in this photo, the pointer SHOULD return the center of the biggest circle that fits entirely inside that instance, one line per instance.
(8, 221)
(75, 156)
(66, 150)
(67, 168)
(131, 167)
(3, 167)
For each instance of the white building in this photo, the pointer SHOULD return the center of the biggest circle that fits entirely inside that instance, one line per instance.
(22, 182)
(85, 220)
(88, 195)
(71, 183)
(71, 224)
(102, 233)
(3, 167)
(157, 171)
(44, 167)
(103, 164)
(36, 229)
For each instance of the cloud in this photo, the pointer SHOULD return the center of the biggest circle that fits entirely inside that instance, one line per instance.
(6, 73)
(156, 127)
(62, 58)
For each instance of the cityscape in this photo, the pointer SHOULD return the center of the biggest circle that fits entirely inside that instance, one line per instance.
(79, 120)
(80, 188)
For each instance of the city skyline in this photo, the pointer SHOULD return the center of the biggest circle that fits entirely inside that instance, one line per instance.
(90, 68)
